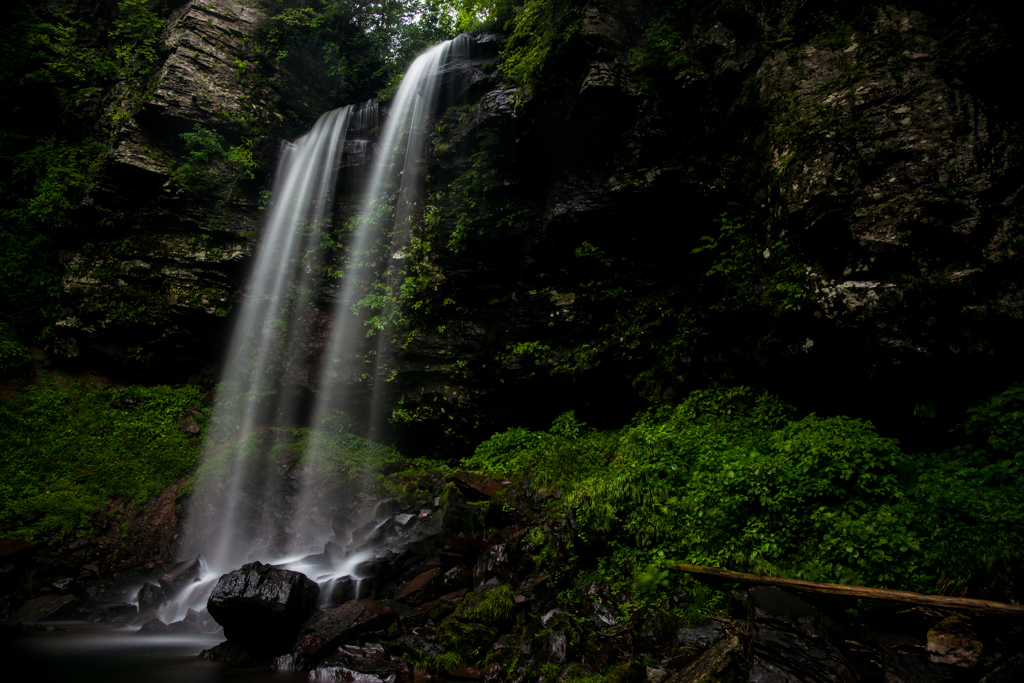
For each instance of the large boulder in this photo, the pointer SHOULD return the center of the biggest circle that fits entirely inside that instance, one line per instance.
(262, 606)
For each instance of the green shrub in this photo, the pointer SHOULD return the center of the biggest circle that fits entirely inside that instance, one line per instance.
(70, 448)
(14, 356)
(557, 457)
(539, 30)
(731, 478)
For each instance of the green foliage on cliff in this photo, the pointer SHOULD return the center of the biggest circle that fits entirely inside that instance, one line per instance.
(14, 357)
(540, 29)
(70, 446)
(366, 44)
(474, 200)
(69, 74)
(207, 162)
(665, 40)
(733, 478)
(136, 30)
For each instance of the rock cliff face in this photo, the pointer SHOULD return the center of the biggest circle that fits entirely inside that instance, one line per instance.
(824, 200)
(163, 242)
(158, 264)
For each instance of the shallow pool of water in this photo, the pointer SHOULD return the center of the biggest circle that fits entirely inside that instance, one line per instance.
(84, 652)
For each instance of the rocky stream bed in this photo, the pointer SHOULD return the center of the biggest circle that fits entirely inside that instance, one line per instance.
(474, 579)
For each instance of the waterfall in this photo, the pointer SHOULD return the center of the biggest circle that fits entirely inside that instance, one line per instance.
(262, 369)
(397, 172)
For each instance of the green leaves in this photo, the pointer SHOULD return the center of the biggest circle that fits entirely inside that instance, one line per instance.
(731, 478)
(70, 447)
(367, 44)
(137, 29)
(540, 28)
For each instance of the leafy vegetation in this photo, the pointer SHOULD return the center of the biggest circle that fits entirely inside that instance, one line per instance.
(71, 446)
(67, 80)
(205, 148)
(733, 478)
(14, 357)
(539, 31)
(365, 44)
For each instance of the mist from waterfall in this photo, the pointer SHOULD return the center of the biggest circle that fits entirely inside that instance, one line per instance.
(274, 319)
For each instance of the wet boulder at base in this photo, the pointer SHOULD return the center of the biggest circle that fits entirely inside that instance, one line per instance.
(262, 606)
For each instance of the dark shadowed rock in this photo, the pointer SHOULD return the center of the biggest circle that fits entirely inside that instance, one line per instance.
(913, 666)
(341, 590)
(153, 627)
(117, 613)
(475, 487)
(547, 648)
(262, 605)
(793, 641)
(387, 508)
(954, 641)
(46, 607)
(700, 637)
(415, 645)
(1010, 671)
(342, 526)
(334, 552)
(12, 549)
(181, 574)
(193, 623)
(418, 584)
(188, 425)
(230, 652)
(368, 664)
(462, 550)
(330, 628)
(600, 615)
(150, 597)
(469, 672)
(710, 665)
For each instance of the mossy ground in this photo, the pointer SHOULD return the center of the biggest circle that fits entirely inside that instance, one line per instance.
(71, 445)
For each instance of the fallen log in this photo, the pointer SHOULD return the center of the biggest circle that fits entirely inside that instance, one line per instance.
(941, 601)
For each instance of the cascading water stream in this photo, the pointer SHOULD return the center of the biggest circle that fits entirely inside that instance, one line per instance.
(258, 355)
(271, 325)
(396, 169)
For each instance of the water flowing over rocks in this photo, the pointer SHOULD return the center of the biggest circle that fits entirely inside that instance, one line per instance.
(889, 195)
